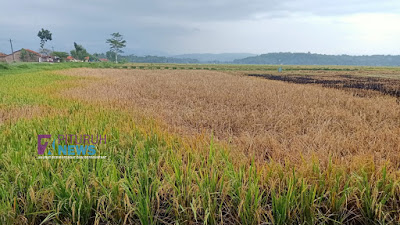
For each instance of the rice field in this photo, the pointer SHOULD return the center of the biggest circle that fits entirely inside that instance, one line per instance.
(201, 144)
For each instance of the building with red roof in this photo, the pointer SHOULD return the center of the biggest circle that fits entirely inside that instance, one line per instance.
(23, 55)
(72, 59)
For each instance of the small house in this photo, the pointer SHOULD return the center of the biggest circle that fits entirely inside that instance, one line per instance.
(46, 58)
(72, 59)
(23, 55)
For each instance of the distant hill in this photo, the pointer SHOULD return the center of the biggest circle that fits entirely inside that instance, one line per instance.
(157, 59)
(208, 57)
(320, 59)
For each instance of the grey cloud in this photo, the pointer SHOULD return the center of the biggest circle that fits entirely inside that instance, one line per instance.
(159, 24)
(126, 11)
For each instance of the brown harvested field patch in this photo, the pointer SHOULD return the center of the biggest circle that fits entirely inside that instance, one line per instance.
(271, 119)
(16, 113)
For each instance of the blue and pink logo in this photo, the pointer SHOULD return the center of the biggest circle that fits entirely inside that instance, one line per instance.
(70, 144)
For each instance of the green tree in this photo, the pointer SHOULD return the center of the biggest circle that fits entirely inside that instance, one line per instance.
(116, 42)
(79, 52)
(44, 35)
(110, 56)
(45, 51)
(62, 55)
(94, 57)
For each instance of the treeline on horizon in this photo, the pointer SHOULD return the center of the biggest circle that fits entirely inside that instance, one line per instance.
(281, 58)
(321, 59)
(277, 59)
(145, 59)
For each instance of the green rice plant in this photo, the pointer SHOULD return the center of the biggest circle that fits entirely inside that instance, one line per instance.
(184, 199)
(374, 196)
(211, 187)
(246, 193)
(308, 202)
(141, 181)
(284, 202)
(338, 197)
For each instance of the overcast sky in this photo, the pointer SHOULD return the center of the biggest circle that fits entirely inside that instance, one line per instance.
(207, 26)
